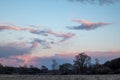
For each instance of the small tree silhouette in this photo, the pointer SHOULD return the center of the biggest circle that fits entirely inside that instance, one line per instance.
(66, 68)
(54, 66)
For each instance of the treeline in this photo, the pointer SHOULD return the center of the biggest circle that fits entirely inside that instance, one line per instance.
(82, 65)
(22, 70)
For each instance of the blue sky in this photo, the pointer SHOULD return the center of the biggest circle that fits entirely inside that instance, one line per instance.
(55, 15)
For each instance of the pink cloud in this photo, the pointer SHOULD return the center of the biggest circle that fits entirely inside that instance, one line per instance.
(87, 25)
(43, 43)
(64, 36)
(9, 27)
(27, 58)
(115, 51)
(101, 55)
(47, 44)
(4, 27)
(35, 44)
(9, 62)
(70, 55)
(61, 57)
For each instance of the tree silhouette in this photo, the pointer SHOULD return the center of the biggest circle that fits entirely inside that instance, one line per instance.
(44, 69)
(82, 65)
(66, 68)
(114, 65)
(54, 64)
(82, 62)
(54, 67)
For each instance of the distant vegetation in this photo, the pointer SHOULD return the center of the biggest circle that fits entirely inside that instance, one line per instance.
(82, 65)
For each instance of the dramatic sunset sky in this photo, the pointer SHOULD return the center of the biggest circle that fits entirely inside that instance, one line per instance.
(34, 32)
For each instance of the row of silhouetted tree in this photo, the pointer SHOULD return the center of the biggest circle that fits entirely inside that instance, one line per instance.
(82, 65)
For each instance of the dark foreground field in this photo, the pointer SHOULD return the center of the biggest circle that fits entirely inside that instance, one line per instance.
(59, 77)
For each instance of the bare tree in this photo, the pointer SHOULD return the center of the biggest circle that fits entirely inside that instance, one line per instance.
(54, 64)
(82, 62)
(55, 67)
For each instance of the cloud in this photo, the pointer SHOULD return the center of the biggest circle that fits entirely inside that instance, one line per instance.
(87, 25)
(9, 27)
(20, 60)
(61, 57)
(100, 2)
(101, 55)
(14, 49)
(68, 55)
(43, 32)
(10, 62)
(31, 30)
(5, 27)
(115, 51)
(34, 44)
(43, 43)
(29, 59)
(26, 59)
(64, 36)
(40, 32)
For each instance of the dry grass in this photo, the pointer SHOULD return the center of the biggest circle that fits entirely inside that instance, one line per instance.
(59, 77)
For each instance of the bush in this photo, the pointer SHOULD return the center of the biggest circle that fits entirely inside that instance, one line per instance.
(103, 70)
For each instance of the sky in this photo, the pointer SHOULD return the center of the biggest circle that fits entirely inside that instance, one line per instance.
(33, 32)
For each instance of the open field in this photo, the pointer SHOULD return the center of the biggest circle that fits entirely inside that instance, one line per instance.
(59, 77)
